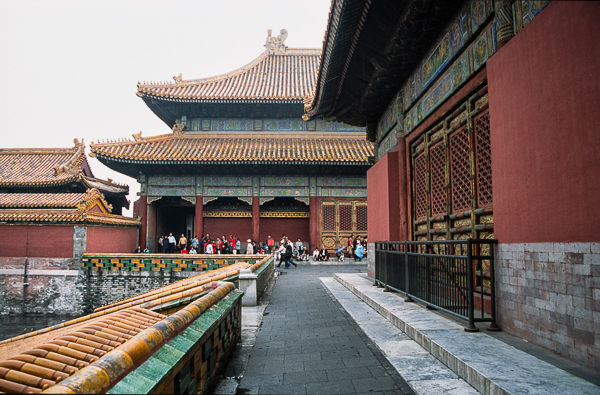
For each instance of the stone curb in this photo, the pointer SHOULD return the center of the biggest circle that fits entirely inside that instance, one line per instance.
(489, 365)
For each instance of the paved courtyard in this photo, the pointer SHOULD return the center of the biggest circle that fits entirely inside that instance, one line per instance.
(308, 344)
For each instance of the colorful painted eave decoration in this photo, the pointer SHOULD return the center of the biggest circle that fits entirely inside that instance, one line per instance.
(287, 77)
(196, 150)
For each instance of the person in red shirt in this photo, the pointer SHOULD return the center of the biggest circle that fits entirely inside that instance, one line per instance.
(184, 250)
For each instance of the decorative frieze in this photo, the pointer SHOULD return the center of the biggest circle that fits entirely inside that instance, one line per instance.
(267, 125)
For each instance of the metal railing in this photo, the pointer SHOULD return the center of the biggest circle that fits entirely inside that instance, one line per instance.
(445, 275)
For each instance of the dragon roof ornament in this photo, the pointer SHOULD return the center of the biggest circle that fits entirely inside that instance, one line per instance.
(275, 45)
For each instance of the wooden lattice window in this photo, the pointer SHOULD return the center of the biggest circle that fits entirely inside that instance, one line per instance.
(361, 218)
(328, 214)
(452, 173)
(420, 191)
(459, 157)
(437, 159)
(484, 159)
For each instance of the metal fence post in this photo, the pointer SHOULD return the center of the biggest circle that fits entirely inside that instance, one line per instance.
(493, 326)
(406, 274)
(471, 327)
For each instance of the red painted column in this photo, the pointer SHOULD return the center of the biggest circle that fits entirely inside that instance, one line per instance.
(199, 217)
(313, 223)
(144, 215)
(403, 191)
(255, 218)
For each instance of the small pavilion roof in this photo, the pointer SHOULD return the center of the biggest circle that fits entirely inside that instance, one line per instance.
(89, 207)
(264, 148)
(50, 167)
(42, 167)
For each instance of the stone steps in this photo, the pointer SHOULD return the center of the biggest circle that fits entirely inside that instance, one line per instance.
(492, 367)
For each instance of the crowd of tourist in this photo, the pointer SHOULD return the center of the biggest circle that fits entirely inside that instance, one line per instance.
(285, 251)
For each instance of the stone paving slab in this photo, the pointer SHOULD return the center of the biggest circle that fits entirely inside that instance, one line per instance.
(489, 365)
(425, 374)
(308, 344)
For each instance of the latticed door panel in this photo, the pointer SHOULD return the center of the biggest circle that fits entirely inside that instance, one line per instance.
(345, 218)
(420, 187)
(361, 218)
(328, 216)
(341, 219)
(484, 159)
(437, 160)
(460, 175)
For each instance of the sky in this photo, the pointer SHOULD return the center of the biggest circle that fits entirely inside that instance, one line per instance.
(69, 69)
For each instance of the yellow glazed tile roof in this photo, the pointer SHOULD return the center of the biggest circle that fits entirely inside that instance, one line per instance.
(39, 167)
(288, 75)
(36, 167)
(89, 207)
(194, 148)
(37, 361)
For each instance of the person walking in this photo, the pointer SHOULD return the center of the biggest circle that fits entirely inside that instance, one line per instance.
(289, 252)
(280, 253)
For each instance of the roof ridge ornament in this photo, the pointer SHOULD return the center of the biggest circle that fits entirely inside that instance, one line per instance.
(275, 44)
(137, 136)
(178, 78)
(178, 129)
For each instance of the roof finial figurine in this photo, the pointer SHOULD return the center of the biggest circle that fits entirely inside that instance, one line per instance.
(137, 136)
(178, 78)
(275, 44)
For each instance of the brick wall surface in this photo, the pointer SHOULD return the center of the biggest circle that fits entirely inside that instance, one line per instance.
(53, 289)
(549, 294)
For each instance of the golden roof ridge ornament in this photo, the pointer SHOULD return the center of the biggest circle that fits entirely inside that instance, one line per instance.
(178, 129)
(137, 136)
(178, 78)
(275, 44)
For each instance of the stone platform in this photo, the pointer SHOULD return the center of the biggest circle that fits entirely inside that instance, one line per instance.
(440, 354)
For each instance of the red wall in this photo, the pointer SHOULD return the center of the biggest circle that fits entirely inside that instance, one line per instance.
(544, 92)
(382, 199)
(292, 227)
(44, 241)
(217, 227)
(102, 239)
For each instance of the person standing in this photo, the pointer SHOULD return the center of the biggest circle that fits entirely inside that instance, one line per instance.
(249, 247)
(195, 242)
(298, 245)
(238, 245)
(182, 242)
(270, 244)
(350, 246)
(161, 242)
(171, 239)
(208, 248)
(201, 245)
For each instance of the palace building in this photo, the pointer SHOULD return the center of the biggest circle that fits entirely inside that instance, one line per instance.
(483, 114)
(241, 160)
(53, 208)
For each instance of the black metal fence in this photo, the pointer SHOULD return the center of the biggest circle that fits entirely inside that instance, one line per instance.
(446, 275)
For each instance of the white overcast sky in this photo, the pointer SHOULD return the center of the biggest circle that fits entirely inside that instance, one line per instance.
(69, 69)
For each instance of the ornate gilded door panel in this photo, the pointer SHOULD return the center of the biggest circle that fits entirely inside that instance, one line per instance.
(341, 219)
